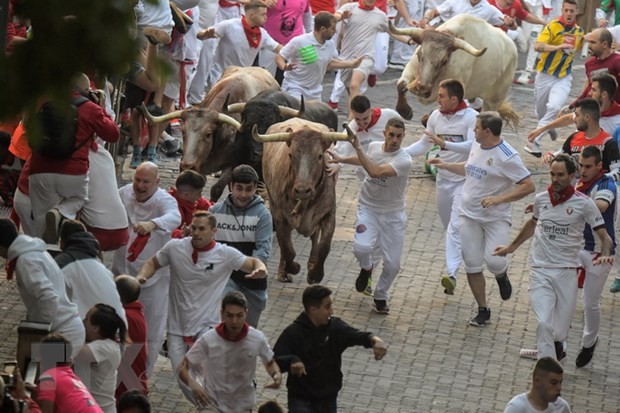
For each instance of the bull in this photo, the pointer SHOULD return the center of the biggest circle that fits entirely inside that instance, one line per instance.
(466, 48)
(209, 131)
(302, 196)
(271, 107)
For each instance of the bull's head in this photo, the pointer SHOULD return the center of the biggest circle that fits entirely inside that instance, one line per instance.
(306, 150)
(436, 48)
(256, 115)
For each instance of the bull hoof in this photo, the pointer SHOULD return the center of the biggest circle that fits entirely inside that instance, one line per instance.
(284, 278)
(292, 267)
(405, 111)
(401, 87)
(315, 276)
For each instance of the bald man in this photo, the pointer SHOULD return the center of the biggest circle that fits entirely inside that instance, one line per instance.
(152, 214)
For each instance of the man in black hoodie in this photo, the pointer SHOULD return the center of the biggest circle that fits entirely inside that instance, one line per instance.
(310, 350)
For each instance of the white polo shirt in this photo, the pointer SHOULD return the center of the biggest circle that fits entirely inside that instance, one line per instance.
(482, 10)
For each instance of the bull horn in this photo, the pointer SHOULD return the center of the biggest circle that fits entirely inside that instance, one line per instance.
(338, 136)
(463, 45)
(159, 119)
(414, 32)
(230, 120)
(293, 113)
(235, 108)
(272, 137)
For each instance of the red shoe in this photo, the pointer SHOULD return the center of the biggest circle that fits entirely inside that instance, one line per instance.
(372, 80)
(333, 105)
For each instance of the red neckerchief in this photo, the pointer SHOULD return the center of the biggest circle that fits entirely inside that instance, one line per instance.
(203, 249)
(584, 187)
(220, 329)
(10, 268)
(566, 25)
(376, 114)
(137, 246)
(613, 110)
(253, 34)
(558, 198)
(461, 106)
(186, 208)
(362, 6)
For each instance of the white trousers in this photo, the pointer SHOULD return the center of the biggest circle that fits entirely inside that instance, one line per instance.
(68, 193)
(387, 232)
(531, 31)
(553, 295)
(177, 348)
(448, 196)
(487, 234)
(198, 86)
(23, 209)
(550, 94)
(596, 276)
(155, 300)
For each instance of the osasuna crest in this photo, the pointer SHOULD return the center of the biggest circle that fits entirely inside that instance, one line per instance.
(569, 211)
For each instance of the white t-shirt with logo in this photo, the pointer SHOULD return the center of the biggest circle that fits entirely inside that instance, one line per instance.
(196, 289)
(520, 404)
(490, 172)
(386, 194)
(559, 229)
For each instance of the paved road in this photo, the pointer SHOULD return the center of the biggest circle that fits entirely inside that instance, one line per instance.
(436, 362)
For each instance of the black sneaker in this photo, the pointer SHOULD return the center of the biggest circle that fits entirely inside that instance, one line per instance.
(559, 350)
(381, 307)
(585, 355)
(505, 288)
(362, 280)
(483, 317)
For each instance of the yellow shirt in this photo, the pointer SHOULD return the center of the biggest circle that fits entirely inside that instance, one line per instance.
(559, 63)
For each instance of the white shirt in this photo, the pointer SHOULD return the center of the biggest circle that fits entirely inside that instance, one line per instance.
(100, 376)
(386, 194)
(490, 172)
(156, 14)
(520, 404)
(482, 10)
(88, 283)
(559, 230)
(311, 59)
(233, 48)
(196, 290)
(458, 132)
(163, 210)
(609, 123)
(360, 31)
(228, 368)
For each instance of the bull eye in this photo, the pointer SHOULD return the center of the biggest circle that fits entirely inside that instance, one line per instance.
(320, 157)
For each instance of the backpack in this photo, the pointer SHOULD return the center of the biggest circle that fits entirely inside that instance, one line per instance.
(58, 125)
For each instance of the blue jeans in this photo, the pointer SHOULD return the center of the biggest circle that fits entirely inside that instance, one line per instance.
(313, 406)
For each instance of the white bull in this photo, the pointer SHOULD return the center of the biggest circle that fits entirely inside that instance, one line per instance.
(466, 48)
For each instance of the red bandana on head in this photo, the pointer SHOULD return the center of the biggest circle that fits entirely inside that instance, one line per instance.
(362, 6)
(220, 329)
(252, 33)
(460, 106)
(558, 197)
(585, 186)
(203, 249)
(376, 114)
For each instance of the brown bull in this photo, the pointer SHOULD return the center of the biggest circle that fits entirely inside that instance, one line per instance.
(301, 194)
(210, 131)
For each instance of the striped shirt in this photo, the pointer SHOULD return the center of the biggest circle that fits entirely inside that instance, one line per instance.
(559, 63)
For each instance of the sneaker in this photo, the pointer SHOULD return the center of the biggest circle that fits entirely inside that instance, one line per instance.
(171, 147)
(372, 80)
(362, 280)
(585, 355)
(151, 154)
(615, 286)
(136, 157)
(53, 218)
(449, 284)
(505, 288)
(380, 307)
(368, 290)
(559, 350)
(527, 353)
(483, 317)
(553, 134)
(533, 148)
(395, 65)
(524, 78)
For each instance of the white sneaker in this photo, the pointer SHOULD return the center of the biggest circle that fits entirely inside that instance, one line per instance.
(524, 78)
(527, 353)
(533, 148)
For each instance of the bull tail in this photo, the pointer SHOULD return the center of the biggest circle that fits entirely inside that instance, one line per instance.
(509, 115)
